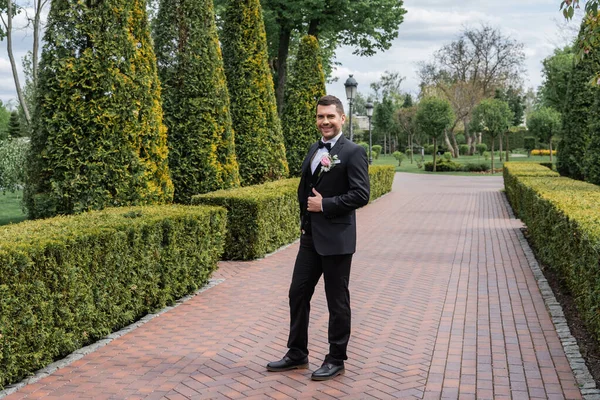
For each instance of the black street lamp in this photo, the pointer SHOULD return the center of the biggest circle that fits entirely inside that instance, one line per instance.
(369, 107)
(351, 86)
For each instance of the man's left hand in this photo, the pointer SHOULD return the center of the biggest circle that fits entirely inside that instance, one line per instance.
(314, 202)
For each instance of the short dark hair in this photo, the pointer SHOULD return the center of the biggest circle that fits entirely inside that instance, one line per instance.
(331, 100)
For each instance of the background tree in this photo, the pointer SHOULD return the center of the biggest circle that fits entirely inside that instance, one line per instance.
(516, 103)
(493, 117)
(305, 87)
(4, 119)
(545, 124)
(591, 160)
(470, 69)
(405, 118)
(368, 26)
(577, 115)
(384, 125)
(99, 139)
(434, 115)
(258, 140)
(195, 99)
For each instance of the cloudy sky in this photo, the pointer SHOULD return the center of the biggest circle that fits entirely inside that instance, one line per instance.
(428, 25)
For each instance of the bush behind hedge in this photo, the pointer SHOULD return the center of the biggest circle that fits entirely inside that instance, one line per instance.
(563, 221)
(68, 281)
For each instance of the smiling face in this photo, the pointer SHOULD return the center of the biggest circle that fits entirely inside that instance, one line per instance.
(329, 121)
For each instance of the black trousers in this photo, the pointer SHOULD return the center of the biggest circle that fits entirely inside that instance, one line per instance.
(307, 271)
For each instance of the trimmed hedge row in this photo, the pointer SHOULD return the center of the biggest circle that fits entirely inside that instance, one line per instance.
(563, 219)
(262, 218)
(68, 281)
(382, 178)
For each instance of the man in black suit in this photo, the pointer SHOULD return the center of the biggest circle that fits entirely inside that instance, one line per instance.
(334, 183)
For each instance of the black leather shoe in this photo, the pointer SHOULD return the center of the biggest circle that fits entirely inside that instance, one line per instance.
(287, 364)
(327, 371)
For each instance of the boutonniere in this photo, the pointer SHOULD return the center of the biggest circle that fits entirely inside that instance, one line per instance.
(328, 162)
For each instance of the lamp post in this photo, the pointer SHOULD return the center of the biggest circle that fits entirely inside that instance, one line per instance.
(369, 107)
(350, 85)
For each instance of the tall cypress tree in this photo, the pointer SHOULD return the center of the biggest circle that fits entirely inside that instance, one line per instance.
(591, 159)
(576, 117)
(195, 98)
(306, 85)
(99, 139)
(258, 137)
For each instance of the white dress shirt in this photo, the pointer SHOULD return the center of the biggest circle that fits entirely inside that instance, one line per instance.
(322, 151)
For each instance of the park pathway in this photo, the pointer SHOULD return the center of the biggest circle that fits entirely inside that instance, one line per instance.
(445, 306)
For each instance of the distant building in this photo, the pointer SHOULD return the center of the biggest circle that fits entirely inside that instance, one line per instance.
(362, 121)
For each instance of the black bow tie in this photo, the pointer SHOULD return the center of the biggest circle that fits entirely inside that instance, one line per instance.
(326, 145)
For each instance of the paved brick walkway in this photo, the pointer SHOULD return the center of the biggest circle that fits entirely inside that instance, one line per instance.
(444, 306)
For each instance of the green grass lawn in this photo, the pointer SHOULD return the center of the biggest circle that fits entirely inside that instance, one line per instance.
(408, 167)
(10, 208)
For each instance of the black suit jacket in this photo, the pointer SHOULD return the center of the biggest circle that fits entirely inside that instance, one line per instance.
(344, 188)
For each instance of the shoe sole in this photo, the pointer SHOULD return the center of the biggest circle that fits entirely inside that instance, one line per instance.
(326, 378)
(301, 366)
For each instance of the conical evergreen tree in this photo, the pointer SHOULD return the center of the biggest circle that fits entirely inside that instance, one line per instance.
(14, 125)
(99, 139)
(305, 86)
(591, 159)
(258, 137)
(576, 117)
(195, 99)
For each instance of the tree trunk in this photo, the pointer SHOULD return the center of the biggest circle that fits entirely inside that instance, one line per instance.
(282, 55)
(434, 153)
(493, 141)
(8, 26)
(410, 140)
(506, 158)
(455, 145)
(448, 144)
(501, 145)
(36, 39)
(550, 146)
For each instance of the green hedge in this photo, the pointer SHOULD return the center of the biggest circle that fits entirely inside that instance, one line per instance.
(68, 281)
(261, 218)
(563, 220)
(381, 177)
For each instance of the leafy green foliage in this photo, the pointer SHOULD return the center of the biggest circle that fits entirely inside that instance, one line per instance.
(377, 149)
(577, 116)
(306, 85)
(481, 148)
(399, 156)
(529, 143)
(493, 117)
(195, 99)
(68, 281)
(99, 139)
(4, 120)
(556, 70)
(591, 161)
(258, 136)
(381, 178)
(516, 103)
(13, 154)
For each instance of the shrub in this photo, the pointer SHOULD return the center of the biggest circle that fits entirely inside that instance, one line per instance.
(563, 222)
(381, 178)
(464, 149)
(98, 138)
(304, 87)
(68, 281)
(475, 167)
(420, 164)
(399, 156)
(195, 99)
(443, 166)
(481, 148)
(429, 149)
(365, 146)
(460, 139)
(538, 152)
(258, 137)
(13, 154)
(408, 152)
(377, 149)
(486, 155)
(261, 218)
(447, 156)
